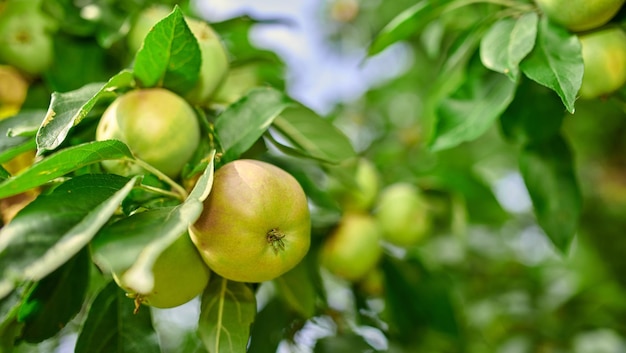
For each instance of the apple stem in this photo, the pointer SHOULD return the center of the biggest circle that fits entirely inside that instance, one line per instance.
(179, 189)
(275, 238)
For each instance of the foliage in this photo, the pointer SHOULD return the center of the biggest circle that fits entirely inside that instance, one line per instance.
(489, 108)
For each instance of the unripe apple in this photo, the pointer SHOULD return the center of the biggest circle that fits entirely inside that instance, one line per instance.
(25, 38)
(352, 250)
(158, 126)
(580, 15)
(402, 214)
(604, 57)
(179, 276)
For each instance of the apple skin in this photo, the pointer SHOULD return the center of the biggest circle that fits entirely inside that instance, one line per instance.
(158, 126)
(604, 57)
(179, 276)
(580, 15)
(255, 224)
(402, 215)
(352, 249)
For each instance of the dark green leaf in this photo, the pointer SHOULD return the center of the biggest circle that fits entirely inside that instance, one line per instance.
(297, 290)
(523, 122)
(4, 174)
(170, 55)
(54, 300)
(407, 23)
(112, 327)
(63, 162)
(472, 110)
(246, 120)
(507, 42)
(269, 327)
(407, 287)
(227, 312)
(68, 109)
(550, 177)
(54, 227)
(313, 136)
(556, 62)
(343, 343)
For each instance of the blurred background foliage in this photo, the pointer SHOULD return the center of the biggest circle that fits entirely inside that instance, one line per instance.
(486, 279)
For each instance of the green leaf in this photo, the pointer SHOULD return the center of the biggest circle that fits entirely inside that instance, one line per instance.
(407, 287)
(133, 244)
(170, 55)
(63, 162)
(54, 227)
(246, 120)
(297, 290)
(227, 311)
(550, 177)
(524, 123)
(54, 300)
(4, 174)
(112, 327)
(347, 342)
(19, 128)
(313, 136)
(68, 109)
(508, 42)
(556, 62)
(17, 133)
(407, 23)
(268, 329)
(473, 108)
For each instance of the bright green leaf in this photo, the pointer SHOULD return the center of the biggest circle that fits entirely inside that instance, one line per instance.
(471, 111)
(508, 42)
(407, 23)
(550, 177)
(69, 108)
(246, 120)
(63, 162)
(227, 311)
(313, 136)
(170, 55)
(56, 226)
(112, 327)
(556, 62)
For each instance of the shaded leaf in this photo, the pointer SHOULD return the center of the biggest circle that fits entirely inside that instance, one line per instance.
(68, 109)
(268, 329)
(37, 241)
(63, 162)
(297, 290)
(313, 136)
(227, 312)
(170, 55)
(549, 174)
(407, 23)
(349, 342)
(523, 122)
(556, 62)
(111, 326)
(54, 300)
(471, 111)
(246, 120)
(507, 43)
(19, 128)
